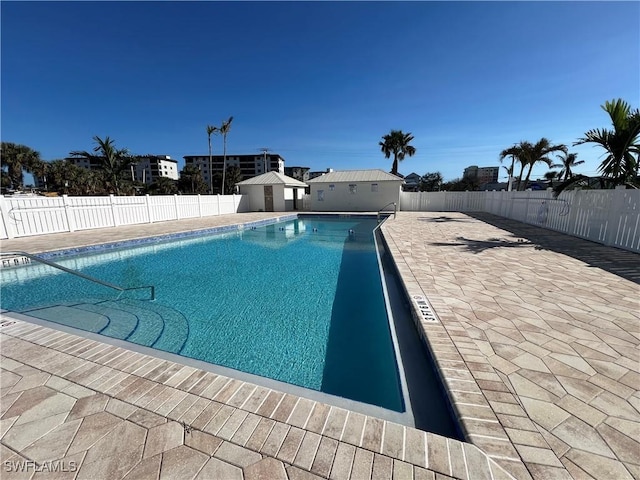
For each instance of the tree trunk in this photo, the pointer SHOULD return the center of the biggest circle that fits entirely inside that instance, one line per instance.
(526, 180)
(224, 161)
(210, 168)
(520, 177)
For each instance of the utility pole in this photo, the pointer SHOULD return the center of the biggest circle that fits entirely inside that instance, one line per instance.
(264, 151)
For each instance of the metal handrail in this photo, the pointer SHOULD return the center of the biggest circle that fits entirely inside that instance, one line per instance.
(395, 210)
(79, 274)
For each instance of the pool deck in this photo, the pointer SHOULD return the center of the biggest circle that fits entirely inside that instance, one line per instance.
(538, 343)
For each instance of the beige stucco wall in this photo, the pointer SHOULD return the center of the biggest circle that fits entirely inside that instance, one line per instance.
(255, 194)
(363, 200)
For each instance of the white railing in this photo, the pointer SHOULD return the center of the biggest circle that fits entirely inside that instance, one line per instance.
(22, 217)
(610, 217)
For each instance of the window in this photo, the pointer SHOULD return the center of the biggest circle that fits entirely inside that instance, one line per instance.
(374, 187)
(321, 195)
(353, 188)
(332, 187)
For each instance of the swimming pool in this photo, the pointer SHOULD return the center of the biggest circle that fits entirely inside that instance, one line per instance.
(299, 301)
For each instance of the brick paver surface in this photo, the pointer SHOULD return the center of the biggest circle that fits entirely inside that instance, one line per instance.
(549, 327)
(536, 339)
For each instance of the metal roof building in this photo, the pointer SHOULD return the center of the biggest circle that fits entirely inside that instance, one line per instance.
(354, 191)
(273, 192)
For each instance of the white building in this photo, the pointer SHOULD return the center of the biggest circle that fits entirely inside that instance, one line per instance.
(249, 165)
(354, 191)
(147, 169)
(150, 168)
(273, 192)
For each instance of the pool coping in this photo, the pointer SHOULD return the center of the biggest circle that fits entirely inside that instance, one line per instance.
(437, 340)
(471, 408)
(405, 417)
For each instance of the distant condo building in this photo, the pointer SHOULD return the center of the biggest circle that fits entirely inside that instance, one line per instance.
(147, 169)
(150, 168)
(250, 165)
(481, 175)
(313, 175)
(299, 173)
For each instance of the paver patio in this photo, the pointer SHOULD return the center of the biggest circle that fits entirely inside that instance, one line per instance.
(538, 342)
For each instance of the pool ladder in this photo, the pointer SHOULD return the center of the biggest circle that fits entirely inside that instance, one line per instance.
(79, 274)
(395, 210)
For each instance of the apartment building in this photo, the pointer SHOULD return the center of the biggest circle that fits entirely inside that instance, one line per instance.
(146, 169)
(481, 175)
(250, 165)
(299, 173)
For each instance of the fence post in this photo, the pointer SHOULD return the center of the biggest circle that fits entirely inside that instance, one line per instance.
(70, 220)
(149, 217)
(175, 203)
(615, 213)
(235, 205)
(199, 206)
(9, 226)
(218, 204)
(113, 211)
(526, 207)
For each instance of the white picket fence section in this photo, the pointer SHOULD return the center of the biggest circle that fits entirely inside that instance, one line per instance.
(610, 217)
(26, 216)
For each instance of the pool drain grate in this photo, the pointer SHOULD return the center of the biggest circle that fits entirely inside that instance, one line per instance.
(425, 309)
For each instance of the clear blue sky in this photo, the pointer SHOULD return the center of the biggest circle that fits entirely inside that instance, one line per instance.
(318, 83)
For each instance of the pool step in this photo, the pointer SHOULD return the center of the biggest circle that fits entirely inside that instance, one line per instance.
(137, 321)
(71, 316)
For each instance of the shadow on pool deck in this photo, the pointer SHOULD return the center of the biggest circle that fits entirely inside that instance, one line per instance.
(620, 262)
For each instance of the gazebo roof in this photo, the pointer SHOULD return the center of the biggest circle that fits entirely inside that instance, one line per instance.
(273, 178)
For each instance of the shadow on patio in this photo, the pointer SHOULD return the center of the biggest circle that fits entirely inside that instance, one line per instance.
(622, 263)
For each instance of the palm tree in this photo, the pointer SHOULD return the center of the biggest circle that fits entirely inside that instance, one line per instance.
(512, 152)
(211, 129)
(538, 153)
(18, 158)
(39, 169)
(191, 180)
(234, 175)
(552, 175)
(567, 161)
(397, 142)
(517, 154)
(224, 129)
(621, 144)
(163, 186)
(113, 162)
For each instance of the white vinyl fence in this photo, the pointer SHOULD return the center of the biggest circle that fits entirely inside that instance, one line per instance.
(25, 216)
(610, 217)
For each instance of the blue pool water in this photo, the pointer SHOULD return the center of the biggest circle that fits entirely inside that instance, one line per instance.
(299, 301)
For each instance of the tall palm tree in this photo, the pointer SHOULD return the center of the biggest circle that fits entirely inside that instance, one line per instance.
(396, 142)
(224, 130)
(114, 162)
(567, 161)
(621, 144)
(18, 158)
(211, 130)
(512, 152)
(518, 154)
(538, 153)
